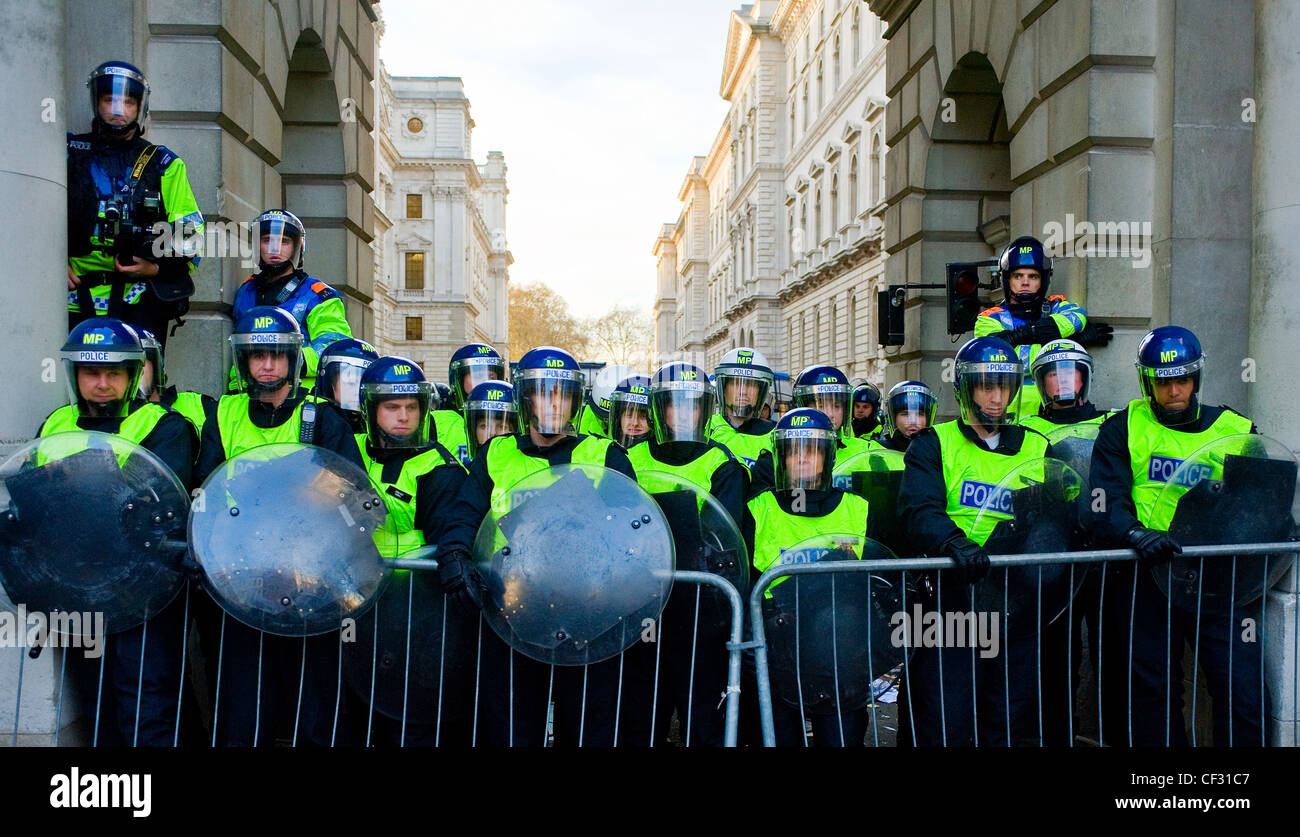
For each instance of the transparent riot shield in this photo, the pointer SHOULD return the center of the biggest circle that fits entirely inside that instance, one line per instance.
(1237, 489)
(1033, 509)
(91, 523)
(875, 476)
(284, 536)
(1072, 444)
(705, 539)
(579, 562)
(830, 636)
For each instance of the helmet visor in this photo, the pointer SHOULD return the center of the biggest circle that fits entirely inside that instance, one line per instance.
(629, 418)
(118, 96)
(104, 388)
(339, 382)
(397, 414)
(742, 390)
(469, 372)
(266, 362)
(680, 411)
(549, 400)
(910, 411)
(278, 239)
(805, 459)
(485, 420)
(989, 393)
(831, 399)
(1063, 381)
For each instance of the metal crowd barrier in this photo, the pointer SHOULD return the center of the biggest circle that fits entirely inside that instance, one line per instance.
(213, 694)
(1290, 722)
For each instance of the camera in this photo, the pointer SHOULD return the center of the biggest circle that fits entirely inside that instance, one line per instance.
(124, 232)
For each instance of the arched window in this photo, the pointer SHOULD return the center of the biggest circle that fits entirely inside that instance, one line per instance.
(803, 225)
(790, 239)
(835, 204)
(856, 38)
(793, 124)
(817, 209)
(853, 187)
(821, 87)
(876, 187)
(805, 105)
(835, 64)
(830, 332)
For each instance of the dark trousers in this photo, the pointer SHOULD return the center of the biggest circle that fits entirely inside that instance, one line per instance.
(270, 687)
(1146, 710)
(692, 660)
(599, 705)
(132, 693)
(1062, 660)
(847, 728)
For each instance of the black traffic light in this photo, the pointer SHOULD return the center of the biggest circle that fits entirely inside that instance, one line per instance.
(889, 316)
(963, 292)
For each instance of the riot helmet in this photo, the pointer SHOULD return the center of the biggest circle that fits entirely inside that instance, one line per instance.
(909, 409)
(275, 228)
(1062, 372)
(396, 400)
(441, 396)
(681, 401)
(123, 84)
(989, 376)
(603, 383)
(629, 411)
(743, 378)
(490, 412)
(338, 374)
(102, 363)
(152, 378)
(1165, 355)
(826, 389)
(471, 365)
(868, 395)
(263, 336)
(548, 391)
(1025, 252)
(803, 445)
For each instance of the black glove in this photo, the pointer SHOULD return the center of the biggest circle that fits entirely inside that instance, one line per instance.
(1152, 546)
(972, 560)
(460, 579)
(1043, 331)
(1095, 333)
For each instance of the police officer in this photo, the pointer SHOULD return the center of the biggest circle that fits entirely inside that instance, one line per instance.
(827, 389)
(908, 411)
(594, 419)
(1062, 375)
(271, 408)
(338, 381)
(141, 666)
(743, 378)
(629, 411)
(866, 409)
(1028, 317)
(195, 406)
(470, 365)
(801, 504)
(681, 402)
(424, 488)
(548, 385)
(282, 282)
(490, 412)
(1165, 425)
(119, 187)
(945, 468)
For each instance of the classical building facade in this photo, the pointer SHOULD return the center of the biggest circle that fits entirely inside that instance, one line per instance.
(778, 245)
(441, 261)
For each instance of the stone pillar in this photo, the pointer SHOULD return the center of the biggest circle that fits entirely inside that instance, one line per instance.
(1275, 306)
(33, 174)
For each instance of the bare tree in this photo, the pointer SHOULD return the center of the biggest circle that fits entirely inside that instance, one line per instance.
(623, 336)
(538, 316)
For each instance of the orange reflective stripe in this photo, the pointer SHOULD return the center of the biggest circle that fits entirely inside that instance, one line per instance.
(996, 309)
(318, 286)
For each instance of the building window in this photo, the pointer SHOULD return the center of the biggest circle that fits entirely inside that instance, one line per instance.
(793, 124)
(830, 347)
(821, 87)
(876, 186)
(857, 39)
(790, 238)
(415, 271)
(835, 204)
(835, 64)
(415, 206)
(817, 210)
(414, 328)
(853, 187)
(802, 246)
(805, 106)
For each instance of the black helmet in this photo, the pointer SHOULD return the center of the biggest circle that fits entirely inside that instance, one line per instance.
(121, 81)
(491, 404)
(681, 401)
(1024, 252)
(278, 224)
(392, 379)
(263, 329)
(109, 344)
(153, 354)
(806, 436)
(481, 363)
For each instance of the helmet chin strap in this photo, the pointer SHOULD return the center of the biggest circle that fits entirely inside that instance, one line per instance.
(1173, 418)
(266, 387)
(116, 133)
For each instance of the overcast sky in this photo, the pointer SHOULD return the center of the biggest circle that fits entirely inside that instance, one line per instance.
(598, 106)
